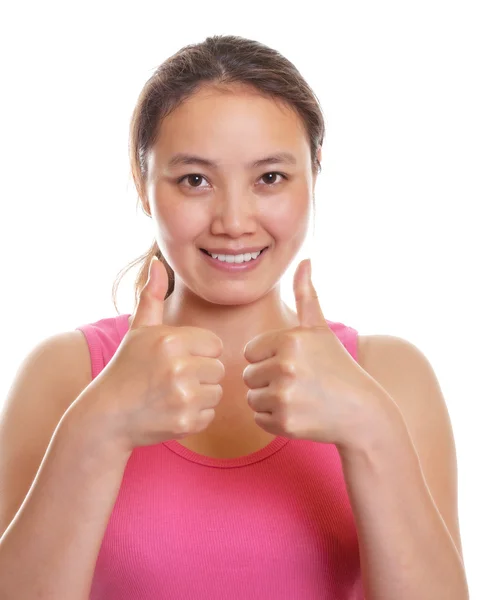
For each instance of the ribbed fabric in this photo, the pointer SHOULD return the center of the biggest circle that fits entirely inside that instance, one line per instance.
(273, 525)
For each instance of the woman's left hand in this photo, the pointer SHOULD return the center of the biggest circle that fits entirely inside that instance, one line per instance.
(304, 384)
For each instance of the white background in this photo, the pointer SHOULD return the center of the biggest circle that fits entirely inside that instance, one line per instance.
(405, 225)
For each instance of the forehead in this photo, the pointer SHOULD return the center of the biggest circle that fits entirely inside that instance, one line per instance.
(231, 125)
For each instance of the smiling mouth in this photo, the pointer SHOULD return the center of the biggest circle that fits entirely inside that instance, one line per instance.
(209, 254)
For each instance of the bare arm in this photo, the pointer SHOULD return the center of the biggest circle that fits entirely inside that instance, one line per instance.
(50, 548)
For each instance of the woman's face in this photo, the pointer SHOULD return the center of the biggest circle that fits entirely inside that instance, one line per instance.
(234, 205)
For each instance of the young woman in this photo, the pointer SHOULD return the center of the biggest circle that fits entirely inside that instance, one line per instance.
(215, 443)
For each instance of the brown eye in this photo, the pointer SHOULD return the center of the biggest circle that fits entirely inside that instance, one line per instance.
(195, 178)
(191, 177)
(272, 182)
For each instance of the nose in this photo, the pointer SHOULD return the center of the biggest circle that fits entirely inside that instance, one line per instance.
(235, 214)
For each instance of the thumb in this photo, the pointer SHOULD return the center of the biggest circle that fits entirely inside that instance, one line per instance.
(306, 299)
(150, 307)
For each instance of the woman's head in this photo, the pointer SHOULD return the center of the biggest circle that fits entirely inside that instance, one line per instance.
(234, 101)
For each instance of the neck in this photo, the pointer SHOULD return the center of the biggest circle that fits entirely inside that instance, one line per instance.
(235, 324)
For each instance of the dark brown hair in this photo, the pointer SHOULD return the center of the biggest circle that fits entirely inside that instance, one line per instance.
(218, 61)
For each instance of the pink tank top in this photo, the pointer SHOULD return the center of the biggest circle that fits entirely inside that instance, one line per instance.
(273, 525)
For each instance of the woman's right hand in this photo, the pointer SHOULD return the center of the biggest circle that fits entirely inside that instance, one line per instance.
(163, 382)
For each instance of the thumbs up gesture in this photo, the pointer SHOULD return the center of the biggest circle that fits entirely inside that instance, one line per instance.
(163, 382)
(303, 383)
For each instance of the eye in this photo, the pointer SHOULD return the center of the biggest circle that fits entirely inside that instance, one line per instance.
(198, 176)
(274, 173)
(192, 175)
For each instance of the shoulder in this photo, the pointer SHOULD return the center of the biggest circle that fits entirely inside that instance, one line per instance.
(394, 362)
(388, 353)
(63, 357)
(399, 366)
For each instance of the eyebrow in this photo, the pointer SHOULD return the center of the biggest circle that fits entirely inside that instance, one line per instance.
(181, 158)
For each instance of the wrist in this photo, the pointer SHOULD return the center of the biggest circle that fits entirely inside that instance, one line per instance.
(89, 421)
(380, 419)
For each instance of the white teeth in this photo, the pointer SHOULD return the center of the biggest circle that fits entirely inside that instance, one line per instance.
(237, 258)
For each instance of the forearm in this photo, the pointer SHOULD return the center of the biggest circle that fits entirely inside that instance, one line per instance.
(405, 548)
(50, 548)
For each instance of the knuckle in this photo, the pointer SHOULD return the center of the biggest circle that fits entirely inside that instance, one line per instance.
(288, 367)
(284, 394)
(169, 343)
(184, 395)
(178, 366)
(183, 424)
(289, 424)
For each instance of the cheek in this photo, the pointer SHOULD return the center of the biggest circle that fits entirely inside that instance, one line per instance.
(180, 225)
(288, 220)
(178, 219)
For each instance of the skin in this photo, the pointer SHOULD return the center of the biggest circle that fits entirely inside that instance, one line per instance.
(231, 205)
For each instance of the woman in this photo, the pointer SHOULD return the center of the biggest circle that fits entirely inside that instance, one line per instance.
(215, 443)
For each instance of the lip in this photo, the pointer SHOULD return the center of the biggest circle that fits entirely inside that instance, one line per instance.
(234, 251)
(234, 267)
